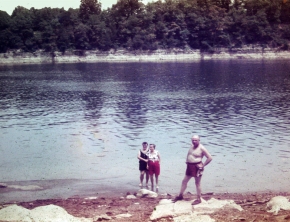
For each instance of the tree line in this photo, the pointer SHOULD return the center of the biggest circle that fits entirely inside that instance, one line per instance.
(132, 25)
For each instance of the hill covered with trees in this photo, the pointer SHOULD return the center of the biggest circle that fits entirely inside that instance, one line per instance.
(132, 25)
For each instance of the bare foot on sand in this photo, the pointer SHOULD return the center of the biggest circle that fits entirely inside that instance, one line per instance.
(195, 202)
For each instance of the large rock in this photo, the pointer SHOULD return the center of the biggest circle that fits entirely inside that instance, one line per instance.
(146, 193)
(193, 218)
(102, 217)
(169, 209)
(119, 216)
(131, 197)
(213, 204)
(19, 187)
(28, 187)
(15, 213)
(49, 213)
(166, 208)
(3, 185)
(277, 203)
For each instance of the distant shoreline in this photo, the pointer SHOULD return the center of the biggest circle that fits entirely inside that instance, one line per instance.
(90, 56)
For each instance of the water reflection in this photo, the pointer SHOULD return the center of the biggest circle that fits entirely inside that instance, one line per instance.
(88, 121)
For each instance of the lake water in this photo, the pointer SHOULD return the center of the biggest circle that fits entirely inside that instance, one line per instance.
(75, 129)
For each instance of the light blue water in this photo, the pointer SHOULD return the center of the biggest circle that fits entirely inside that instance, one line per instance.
(76, 129)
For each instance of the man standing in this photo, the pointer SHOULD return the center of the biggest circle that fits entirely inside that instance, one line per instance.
(195, 167)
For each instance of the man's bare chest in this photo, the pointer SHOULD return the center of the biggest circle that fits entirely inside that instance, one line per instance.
(197, 152)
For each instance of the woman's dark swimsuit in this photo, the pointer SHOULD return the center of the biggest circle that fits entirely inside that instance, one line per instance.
(143, 164)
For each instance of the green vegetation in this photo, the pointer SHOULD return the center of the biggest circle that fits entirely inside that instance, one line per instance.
(131, 25)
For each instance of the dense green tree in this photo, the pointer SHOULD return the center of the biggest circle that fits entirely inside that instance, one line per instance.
(285, 11)
(68, 21)
(126, 8)
(99, 34)
(89, 7)
(256, 28)
(47, 26)
(81, 37)
(5, 20)
(129, 24)
(5, 23)
(65, 39)
(22, 29)
(125, 15)
(225, 4)
(5, 35)
(235, 30)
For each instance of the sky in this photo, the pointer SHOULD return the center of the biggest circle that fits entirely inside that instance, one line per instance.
(10, 5)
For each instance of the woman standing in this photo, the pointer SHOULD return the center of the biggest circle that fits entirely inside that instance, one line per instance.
(154, 165)
(143, 160)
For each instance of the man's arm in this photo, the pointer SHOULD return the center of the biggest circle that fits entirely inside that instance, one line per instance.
(207, 155)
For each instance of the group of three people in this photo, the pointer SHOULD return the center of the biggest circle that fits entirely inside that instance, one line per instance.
(149, 164)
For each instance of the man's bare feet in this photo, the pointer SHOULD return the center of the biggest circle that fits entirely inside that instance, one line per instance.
(195, 202)
(179, 197)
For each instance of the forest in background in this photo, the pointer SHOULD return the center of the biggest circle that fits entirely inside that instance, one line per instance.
(131, 25)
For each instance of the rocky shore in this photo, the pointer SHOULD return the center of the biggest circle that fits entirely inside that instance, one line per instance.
(39, 57)
(149, 206)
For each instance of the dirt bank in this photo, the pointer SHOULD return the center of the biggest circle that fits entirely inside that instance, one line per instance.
(40, 57)
(140, 209)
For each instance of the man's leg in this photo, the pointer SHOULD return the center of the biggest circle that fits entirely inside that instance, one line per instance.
(198, 188)
(183, 187)
(184, 184)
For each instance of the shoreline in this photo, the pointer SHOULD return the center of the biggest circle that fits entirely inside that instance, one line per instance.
(19, 191)
(91, 56)
(133, 207)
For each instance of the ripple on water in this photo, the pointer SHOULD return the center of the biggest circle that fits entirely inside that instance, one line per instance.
(231, 119)
(284, 157)
(286, 151)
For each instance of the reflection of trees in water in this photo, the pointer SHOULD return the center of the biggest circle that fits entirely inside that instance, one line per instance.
(132, 111)
(228, 88)
(207, 90)
(94, 103)
(119, 91)
(131, 107)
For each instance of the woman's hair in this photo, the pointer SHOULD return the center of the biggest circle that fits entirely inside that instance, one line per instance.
(152, 145)
(144, 143)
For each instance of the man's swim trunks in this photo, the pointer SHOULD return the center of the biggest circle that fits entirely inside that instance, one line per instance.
(194, 169)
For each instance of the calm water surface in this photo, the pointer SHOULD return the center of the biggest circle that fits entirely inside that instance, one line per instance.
(77, 128)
